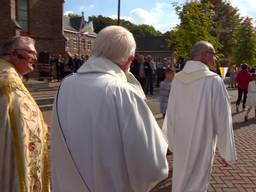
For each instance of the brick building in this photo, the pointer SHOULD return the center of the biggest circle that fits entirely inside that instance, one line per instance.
(79, 35)
(40, 19)
(43, 20)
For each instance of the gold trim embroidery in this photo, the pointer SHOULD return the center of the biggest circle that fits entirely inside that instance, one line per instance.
(35, 149)
(21, 171)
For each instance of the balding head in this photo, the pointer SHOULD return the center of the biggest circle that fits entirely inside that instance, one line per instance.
(200, 48)
(204, 52)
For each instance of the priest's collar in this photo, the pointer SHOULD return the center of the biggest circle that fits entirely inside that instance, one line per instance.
(193, 71)
(102, 65)
(192, 66)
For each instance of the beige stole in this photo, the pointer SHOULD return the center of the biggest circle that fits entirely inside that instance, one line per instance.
(188, 78)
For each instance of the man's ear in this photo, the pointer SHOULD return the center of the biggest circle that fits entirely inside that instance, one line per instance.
(126, 65)
(13, 55)
(130, 58)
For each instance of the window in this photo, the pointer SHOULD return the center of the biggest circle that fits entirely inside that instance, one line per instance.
(83, 45)
(22, 14)
(67, 43)
(75, 42)
(89, 45)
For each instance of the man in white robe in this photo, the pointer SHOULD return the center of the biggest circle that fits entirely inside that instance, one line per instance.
(198, 120)
(104, 137)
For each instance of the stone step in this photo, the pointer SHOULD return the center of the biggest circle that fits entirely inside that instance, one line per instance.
(43, 94)
(47, 107)
(34, 85)
(45, 101)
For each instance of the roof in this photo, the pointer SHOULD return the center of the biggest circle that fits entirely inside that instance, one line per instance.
(152, 44)
(72, 24)
(76, 24)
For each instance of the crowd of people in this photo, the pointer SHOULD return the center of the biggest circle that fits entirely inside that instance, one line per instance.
(65, 65)
(148, 72)
(104, 137)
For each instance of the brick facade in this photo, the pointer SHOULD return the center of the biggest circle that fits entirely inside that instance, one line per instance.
(45, 23)
(8, 24)
(80, 44)
(78, 40)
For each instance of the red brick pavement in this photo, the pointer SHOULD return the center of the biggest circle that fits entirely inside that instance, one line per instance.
(240, 177)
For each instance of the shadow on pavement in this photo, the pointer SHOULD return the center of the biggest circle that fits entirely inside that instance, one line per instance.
(241, 124)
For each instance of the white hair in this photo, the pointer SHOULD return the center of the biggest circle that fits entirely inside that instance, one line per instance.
(200, 48)
(114, 43)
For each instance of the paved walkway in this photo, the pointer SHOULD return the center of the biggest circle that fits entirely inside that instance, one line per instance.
(240, 177)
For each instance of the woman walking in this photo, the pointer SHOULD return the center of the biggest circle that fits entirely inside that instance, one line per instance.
(251, 97)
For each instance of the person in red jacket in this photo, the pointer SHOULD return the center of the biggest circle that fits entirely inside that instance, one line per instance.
(243, 78)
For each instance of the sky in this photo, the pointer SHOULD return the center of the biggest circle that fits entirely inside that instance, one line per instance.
(158, 13)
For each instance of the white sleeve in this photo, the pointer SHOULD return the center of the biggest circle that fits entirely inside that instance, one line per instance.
(168, 128)
(144, 146)
(223, 122)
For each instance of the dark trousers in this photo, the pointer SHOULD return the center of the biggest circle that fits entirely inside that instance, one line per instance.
(59, 72)
(149, 85)
(241, 92)
(142, 81)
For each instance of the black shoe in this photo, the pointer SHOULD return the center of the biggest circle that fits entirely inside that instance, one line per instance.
(245, 118)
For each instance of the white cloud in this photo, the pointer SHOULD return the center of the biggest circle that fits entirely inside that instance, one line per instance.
(162, 17)
(69, 12)
(141, 16)
(127, 18)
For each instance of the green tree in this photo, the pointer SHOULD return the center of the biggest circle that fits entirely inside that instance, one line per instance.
(138, 30)
(100, 22)
(196, 24)
(226, 21)
(245, 49)
(144, 31)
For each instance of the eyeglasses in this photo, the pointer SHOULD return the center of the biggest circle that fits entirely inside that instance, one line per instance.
(28, 51)
(211, 52)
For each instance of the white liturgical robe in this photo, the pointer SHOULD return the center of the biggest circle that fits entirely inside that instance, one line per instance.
(198, 119)
(104, 138)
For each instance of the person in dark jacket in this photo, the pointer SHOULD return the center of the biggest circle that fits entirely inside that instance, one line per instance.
(243, 79)
(135, 67)
(149, 76)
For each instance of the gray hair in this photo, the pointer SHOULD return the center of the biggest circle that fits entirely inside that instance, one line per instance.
(14, 43)
(114, 43)
(200, 48)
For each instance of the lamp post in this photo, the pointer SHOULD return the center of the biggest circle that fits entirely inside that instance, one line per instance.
(118, 13)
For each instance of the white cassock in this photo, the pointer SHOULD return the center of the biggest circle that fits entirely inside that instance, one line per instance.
(198, 119)
(104, 137)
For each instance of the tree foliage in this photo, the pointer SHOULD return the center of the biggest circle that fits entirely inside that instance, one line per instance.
(138, 30)
(218, 22)
(245, 49)
(226, 23)
(196, 24)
